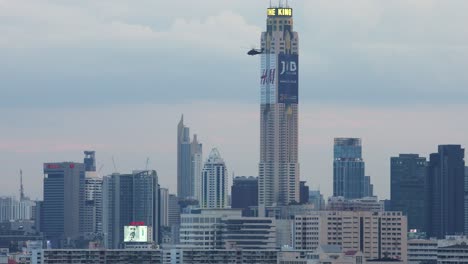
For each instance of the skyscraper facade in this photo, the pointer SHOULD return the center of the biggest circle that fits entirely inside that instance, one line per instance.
(214, 182)
(368, 190)
(189, 163)
(244, 194)
(279, 167)
(130, 198)
(164, 206)
(446, 192)
(408, 188)
(63, 207)
(348, 168)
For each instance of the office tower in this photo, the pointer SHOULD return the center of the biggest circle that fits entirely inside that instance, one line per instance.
(375, 234)
(408, 188)
(189, 163)
(368, 190)
(348, 168)
(304, 193)
(173, 210)
(244, 194)
(164, 206)
(214, 182)
(278, 181)
(92, 227)
(90, 160)
(64, 201)
(446, 184)
(127, 199)
(197, 166)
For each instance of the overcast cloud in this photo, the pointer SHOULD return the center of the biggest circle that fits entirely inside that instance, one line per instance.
(115, 76)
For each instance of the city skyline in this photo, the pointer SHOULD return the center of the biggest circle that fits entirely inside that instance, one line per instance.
(38, 133)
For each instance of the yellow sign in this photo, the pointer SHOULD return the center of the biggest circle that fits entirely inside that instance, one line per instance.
(279, 11)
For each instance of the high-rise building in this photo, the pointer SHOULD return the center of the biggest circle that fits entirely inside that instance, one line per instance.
(197, 165)
(278, 181)
(244, 194)
(189, 163)
(90, 160)
(214, 182)
(127, 199)
(348, 168)
(173, 210)
(408, 174)
(316, 199)
(64, 201)
(446, 192)
(164, 206)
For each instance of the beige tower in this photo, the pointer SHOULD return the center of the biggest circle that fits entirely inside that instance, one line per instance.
(279, 167)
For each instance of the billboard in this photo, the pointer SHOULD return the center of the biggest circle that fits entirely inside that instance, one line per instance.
(288, 78)
(135, 234)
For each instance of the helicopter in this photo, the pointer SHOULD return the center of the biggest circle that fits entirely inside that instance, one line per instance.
(254, 52)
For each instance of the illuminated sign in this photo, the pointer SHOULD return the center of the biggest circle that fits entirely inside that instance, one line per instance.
(135, 234)
(279, 12)
(52, 166)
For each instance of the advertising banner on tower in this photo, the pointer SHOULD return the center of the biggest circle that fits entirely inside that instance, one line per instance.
(288, 78)
(135, 234)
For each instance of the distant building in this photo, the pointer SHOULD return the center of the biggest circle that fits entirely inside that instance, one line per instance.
(127, 199)
(244, 194)
(13, 209)
(164, 206)
(214, 182)
(348, 168)
(422, 251)
(303, 193)
(173, 210)
(64, 202)
(226, 229)
(316, 198)
(376, 234)
(92, 228)
(466, 200)
(189, 163)
(90, 161)
(446, 191)
(371, 204)
(408, 174)
(368, 187)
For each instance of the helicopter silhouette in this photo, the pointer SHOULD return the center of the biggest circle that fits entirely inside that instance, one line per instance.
(254, 52)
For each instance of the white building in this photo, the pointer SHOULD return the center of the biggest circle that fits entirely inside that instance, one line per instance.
(214, 182)
(13, 209)
(422, 251)
(376, 234)
(226, 229)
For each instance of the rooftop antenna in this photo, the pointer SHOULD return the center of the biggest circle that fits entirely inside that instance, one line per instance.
(147, 163)
(21, 186)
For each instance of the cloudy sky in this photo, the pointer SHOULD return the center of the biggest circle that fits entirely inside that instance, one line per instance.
(116, 75)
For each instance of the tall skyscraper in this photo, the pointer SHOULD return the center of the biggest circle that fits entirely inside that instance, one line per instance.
(129, 198)
(466, 200)
(197, 166)
(214, 182)
(63, 207)
(446, 191)
(244, 194)
(92, 227)
(304, 193)
(278, 180)
(348, 168)
(408, 174)
(189, 163)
